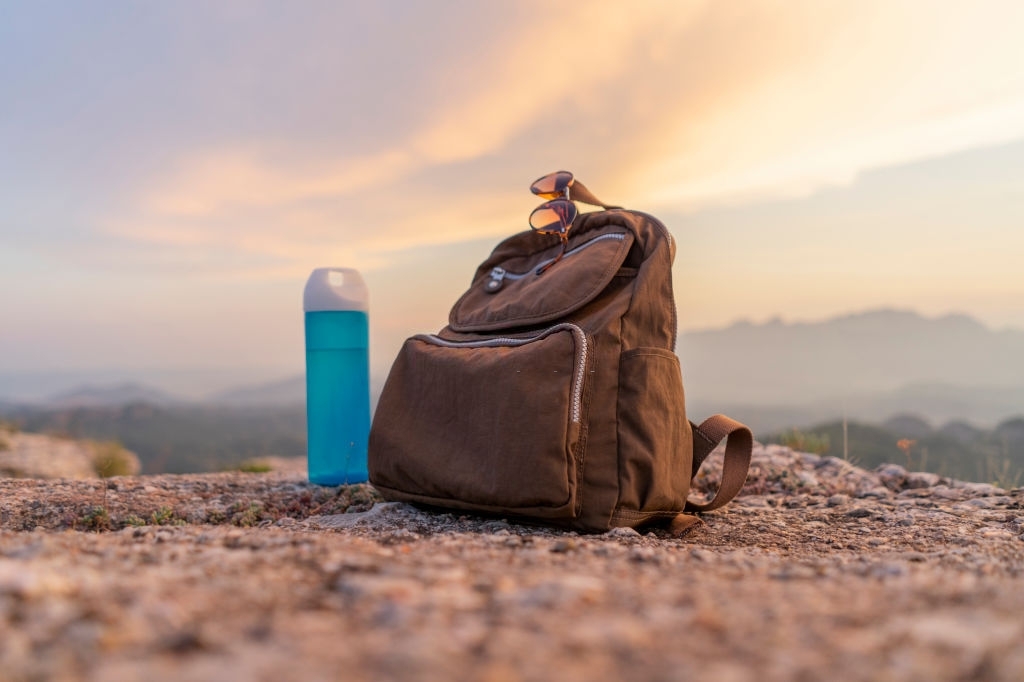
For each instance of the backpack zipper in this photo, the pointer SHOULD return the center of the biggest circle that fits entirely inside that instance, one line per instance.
(581, 354)
(499, 275)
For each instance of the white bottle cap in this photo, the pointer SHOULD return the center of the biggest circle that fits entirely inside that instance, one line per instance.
(335, 289)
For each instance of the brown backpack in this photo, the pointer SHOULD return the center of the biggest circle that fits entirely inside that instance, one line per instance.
(555, 397)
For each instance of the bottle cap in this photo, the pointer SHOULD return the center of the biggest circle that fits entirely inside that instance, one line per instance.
(335, 289)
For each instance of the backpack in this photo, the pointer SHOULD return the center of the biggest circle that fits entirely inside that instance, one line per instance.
(555, 397)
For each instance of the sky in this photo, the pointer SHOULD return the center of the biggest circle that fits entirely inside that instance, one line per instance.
(170, 173)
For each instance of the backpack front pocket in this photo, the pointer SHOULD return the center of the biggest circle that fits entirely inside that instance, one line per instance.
(491, 424)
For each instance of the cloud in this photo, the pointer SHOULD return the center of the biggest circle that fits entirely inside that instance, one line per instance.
(862, 86)
(670, 106)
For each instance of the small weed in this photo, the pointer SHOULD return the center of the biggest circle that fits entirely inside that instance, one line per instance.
(96, 519)
(247, 515)
(254, 467)
(805, 442)
(6, 429)
(164, 516)
(133, 520)
(1001, 473)
(110, 458)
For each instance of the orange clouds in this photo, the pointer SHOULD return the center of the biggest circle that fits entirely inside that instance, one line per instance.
(666, 105)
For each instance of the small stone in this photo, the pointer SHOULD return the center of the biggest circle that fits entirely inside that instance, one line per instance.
(701, 554)
(917, 557)
(807, 479)
(888, 570)
(978, 489)
(946, 493)
(643, 554)
(875, 493)
(922, 479)
(838, 500)
(996, 534)
(859, 513)
(495, 526)
(893, 476)
(563, 546)
(622, 533)
(182, 642)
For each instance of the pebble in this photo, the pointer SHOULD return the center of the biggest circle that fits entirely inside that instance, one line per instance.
(922, 479)
(879, 493)
(623, 533)
(838, 500)
(977, 489)
(914, 556)
(893, 476)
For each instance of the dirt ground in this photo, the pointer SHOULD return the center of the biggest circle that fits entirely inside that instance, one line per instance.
(818, 571)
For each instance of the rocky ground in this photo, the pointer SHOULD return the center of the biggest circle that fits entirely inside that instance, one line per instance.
(818, 571)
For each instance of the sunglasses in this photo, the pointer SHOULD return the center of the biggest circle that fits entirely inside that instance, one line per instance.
(557, 215)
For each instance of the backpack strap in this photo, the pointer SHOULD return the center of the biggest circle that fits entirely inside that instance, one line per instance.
(738, 448)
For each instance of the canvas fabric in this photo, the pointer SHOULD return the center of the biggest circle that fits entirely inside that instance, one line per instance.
(556, 397)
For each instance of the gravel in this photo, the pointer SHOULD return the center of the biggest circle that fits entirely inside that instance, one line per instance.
(820, 570)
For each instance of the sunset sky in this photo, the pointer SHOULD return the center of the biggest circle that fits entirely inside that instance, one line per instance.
(171, 172)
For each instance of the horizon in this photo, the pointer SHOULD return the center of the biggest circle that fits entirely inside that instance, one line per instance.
(175, 172)
(206, 383)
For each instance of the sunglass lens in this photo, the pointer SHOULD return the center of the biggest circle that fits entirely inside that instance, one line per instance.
(553, 217)
(552, 185)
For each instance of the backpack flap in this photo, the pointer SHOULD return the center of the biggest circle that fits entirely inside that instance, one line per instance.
(507, 292)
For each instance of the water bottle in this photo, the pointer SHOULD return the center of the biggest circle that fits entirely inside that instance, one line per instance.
(335, 303)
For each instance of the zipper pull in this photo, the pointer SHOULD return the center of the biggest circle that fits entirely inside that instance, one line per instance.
(497, 275)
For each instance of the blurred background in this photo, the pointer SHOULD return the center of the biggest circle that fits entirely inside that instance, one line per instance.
(845, 182)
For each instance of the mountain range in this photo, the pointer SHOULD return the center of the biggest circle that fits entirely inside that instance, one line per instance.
(774, 374)
(115, 394)
(868, 365)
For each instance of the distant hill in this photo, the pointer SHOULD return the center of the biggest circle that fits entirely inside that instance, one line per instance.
(870, 365)
(177, 438)
(111, 395)
(881, 350)
(290, 391)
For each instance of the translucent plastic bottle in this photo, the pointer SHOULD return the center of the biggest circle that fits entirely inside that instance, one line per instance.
(337, 376)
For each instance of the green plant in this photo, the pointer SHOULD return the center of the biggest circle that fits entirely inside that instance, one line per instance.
(110, 458)
(6, 429)
(1001, 472)
(805, 442)
(133, 520)
(96, 519)
(162, 517)
(246, 515)
(254, 467)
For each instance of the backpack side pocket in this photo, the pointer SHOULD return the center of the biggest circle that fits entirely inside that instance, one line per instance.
(655, 448)
(490, 425)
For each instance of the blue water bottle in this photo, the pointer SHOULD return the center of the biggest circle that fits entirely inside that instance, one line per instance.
(337, 376)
